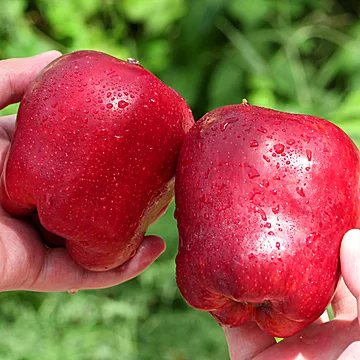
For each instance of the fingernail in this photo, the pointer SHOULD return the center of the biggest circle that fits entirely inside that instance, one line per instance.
(46, 53)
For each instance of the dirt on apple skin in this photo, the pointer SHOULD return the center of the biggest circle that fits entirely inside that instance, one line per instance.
(263, 199)
(94, 153)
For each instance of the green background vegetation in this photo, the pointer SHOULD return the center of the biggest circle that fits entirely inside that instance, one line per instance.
(298, 56)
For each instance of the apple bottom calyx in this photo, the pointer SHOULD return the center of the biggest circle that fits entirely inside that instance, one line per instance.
(234, 314)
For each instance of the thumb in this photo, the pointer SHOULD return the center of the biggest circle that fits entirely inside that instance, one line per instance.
(246, 341)
(17, 74)
(350, 265)
(58, 272)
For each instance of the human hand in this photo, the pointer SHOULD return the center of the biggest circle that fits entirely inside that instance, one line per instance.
(25, 263)
(324, 339)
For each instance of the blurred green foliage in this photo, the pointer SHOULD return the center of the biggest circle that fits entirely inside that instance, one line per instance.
(298, 56)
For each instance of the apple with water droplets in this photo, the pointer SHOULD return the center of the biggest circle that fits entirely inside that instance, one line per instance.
(263, 199)
(94, 155)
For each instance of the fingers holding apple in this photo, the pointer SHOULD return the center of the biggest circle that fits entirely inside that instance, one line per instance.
(60, 273)
(337, 339)
(349, 257)
(247, 341)
(49, 270)
(322, 339)
(17, 74)
(352, 352)
(344, 305)
(15, 77)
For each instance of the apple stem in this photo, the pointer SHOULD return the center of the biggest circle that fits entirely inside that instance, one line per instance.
(133, 61)
(244, 102)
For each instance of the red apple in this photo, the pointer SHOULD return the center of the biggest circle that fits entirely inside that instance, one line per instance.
(94, 154)
(263, 199)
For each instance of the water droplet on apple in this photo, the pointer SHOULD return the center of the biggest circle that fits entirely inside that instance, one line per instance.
(266, 158)
(122, 104)
(312, 238)
(228, 121)
(223, 126)
(119, 138)
(254, 192)
(290, 142)
(200, 146)
(279, 148)
(261, 129)
(268, 225)
(262, 213)
(278, 245)
(276, 209)
(109, 106)
(73, 291)
(265, 183)
(300, 191)
(206, 174)
(201, 134)
(253, 173)
(102, 132)
(48, 199)
(254, 143)
(309, 154)
(237, 260)
(205, 199)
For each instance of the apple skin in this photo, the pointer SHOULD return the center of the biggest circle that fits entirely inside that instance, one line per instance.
(94, 154)
(263, 199)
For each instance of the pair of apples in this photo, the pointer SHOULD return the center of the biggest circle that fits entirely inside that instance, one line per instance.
(263, 197)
